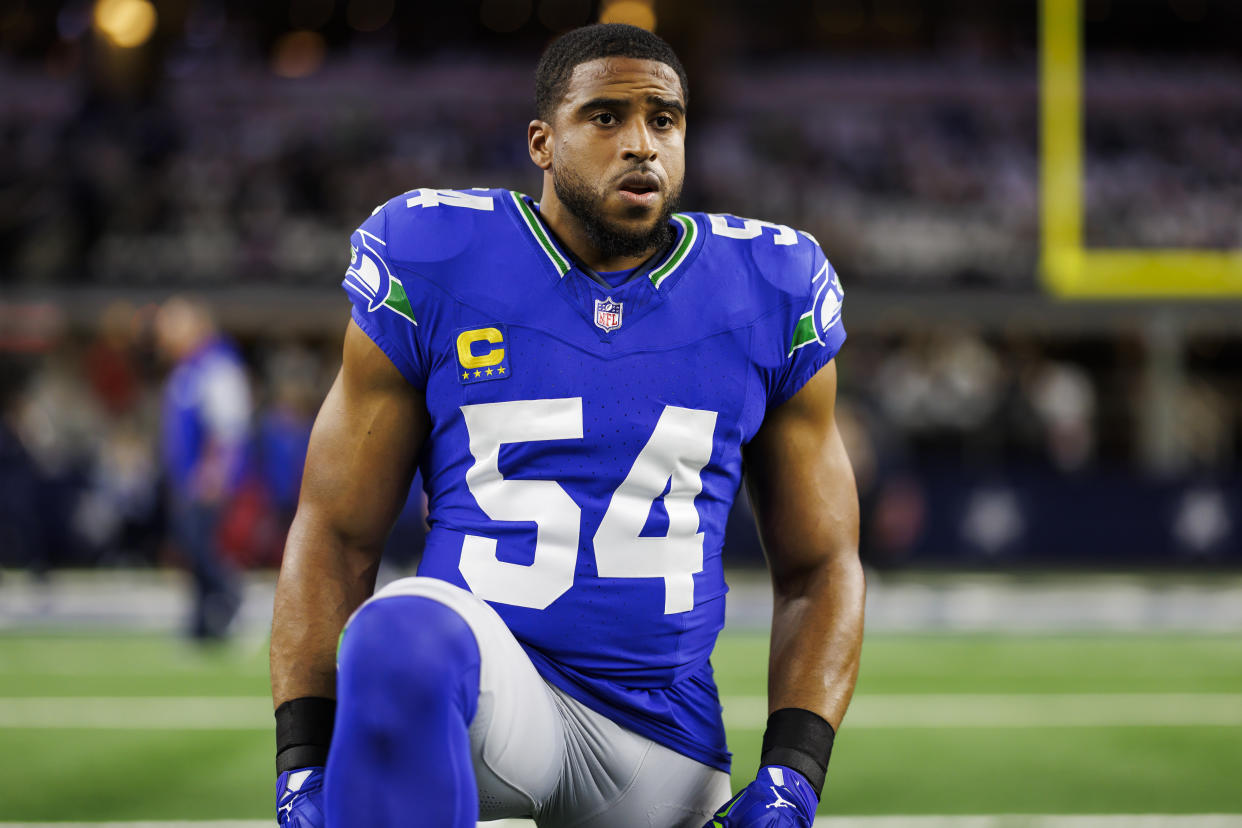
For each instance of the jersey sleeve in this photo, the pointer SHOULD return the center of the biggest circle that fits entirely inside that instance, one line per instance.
(381, 302)
(813, 332)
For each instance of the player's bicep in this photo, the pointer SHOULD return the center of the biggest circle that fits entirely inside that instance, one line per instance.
(800, 481)
(364, 446)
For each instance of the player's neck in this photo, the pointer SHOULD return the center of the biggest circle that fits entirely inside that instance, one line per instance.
(573, 235)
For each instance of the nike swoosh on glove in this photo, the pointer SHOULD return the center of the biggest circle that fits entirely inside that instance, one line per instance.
(778, 798)
(299, 798)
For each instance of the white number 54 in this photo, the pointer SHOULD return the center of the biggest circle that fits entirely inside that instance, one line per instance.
(673, 458)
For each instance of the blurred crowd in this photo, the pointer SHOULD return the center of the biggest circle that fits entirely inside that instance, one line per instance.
(108, 440)
(232, 151)
(911, 174)
(1019, 450)
(1164, 156)
(137, 443)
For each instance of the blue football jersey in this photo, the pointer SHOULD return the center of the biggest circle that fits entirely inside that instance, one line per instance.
(585, 442)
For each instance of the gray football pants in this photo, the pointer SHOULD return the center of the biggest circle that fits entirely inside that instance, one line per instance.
(539, 753)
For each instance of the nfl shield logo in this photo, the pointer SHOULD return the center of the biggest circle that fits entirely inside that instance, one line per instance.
(608, 314)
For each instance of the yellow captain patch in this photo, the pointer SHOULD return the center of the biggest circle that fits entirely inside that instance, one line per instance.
(482, 354)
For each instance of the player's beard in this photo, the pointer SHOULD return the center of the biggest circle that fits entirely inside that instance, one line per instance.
(611, 241)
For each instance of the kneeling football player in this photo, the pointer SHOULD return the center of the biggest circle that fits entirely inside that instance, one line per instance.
(585, 382)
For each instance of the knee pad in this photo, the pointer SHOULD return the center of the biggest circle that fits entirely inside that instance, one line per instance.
(411, 651)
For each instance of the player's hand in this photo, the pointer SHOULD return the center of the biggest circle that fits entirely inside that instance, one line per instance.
(778, 798)
(299, 798)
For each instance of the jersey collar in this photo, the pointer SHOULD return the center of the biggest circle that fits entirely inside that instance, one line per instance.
(562, 262)
(541, 235)
(680, 252)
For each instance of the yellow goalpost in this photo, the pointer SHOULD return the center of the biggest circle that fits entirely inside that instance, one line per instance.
(1070, 270)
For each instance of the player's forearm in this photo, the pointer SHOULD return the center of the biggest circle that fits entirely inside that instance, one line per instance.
(817, 630)
(324, 577)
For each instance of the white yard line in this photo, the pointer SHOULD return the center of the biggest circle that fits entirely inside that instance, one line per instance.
(137, 713)
(155, 600)
(952, 821)
(999, 710)
(996, 710)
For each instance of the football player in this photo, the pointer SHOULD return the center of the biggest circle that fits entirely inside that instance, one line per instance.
(585, 381)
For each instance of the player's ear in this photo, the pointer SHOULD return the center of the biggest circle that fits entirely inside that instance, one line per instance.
(539, 143)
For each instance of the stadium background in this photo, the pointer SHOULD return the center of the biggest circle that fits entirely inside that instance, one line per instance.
(1041, 392)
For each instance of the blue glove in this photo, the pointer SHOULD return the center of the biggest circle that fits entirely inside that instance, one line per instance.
(299, 798)
(778, 798)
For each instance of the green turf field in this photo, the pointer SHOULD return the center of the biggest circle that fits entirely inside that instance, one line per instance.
(115, 727)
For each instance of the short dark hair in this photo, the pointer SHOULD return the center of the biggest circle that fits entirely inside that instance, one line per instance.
(599, 40)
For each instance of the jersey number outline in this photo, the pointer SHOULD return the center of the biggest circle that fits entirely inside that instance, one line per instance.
(428, 197)
(673, 457)
(750, 229)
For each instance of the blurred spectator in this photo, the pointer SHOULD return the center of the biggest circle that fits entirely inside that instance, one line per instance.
(285, 425)
(1062, 395)
(21, 525)
(259, 515)
(54, 426)
(206, 422)
(111, 367)
(120, 513)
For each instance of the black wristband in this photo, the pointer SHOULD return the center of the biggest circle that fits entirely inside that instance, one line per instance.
(303, 732)
(801, 740)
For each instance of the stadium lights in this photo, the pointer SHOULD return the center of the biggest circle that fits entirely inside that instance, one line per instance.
(639, 13)
(298, 54)
(126, 23)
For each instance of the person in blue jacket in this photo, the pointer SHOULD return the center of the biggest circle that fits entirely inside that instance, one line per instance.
(205, 425)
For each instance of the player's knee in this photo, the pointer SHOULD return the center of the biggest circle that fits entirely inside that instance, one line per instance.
(415, 648)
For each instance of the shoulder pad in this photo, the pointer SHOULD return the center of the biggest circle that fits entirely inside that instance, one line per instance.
(430, 225)
(779, 255)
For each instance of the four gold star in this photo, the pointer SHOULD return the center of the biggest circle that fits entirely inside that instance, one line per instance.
(466, 374)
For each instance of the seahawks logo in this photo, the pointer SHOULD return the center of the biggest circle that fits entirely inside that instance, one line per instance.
(829, 297)
(825, 310)
(368, 272)
(368, 275)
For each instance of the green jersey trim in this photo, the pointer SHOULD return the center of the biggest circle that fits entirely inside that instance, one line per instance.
(541, 236)
(690, 232)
